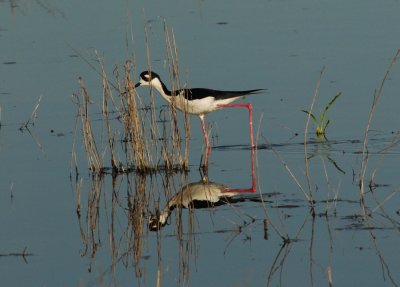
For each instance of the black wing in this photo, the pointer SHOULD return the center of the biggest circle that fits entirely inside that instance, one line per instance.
(201, 93)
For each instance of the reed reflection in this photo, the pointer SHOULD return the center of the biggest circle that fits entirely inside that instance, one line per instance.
(120, 210)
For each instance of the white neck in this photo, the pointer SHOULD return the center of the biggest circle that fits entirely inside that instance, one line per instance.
(156, 83)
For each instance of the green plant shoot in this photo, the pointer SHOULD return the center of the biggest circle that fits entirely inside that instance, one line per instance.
(321, 125)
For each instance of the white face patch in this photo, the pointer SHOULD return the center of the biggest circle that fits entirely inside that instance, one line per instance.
(147, 77)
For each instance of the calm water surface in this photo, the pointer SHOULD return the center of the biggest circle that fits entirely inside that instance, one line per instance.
(269, 238)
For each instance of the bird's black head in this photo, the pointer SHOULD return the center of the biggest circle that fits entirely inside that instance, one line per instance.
(146, 78)
(157, 221)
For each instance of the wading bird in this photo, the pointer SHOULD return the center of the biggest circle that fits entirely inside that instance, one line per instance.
(199, 101)
(202, 194)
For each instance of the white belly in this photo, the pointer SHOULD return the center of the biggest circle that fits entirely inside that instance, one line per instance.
(199, 107)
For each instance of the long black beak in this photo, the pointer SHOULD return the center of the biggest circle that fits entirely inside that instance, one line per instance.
(137, 85)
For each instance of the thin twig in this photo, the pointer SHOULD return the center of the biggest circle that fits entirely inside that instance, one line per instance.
(377, 96)
(305, 135)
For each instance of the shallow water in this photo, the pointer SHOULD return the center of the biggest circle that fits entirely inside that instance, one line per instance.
(265, 238)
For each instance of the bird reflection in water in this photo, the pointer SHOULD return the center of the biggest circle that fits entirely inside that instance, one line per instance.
(202, 194)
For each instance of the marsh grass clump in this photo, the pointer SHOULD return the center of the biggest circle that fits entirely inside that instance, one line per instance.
(149, 140)
(320, 124)
(95, 162)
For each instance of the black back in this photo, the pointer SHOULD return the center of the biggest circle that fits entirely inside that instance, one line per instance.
(201, 93)
(198, 93)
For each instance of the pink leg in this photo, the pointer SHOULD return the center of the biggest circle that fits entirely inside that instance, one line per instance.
(203, 125)
(250, 108)
(253, 178)
(253, 187)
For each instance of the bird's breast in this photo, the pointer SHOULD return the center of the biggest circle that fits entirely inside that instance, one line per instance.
(197, 107)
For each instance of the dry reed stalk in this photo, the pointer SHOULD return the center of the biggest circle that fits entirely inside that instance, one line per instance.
(34, 112)
(154, 146)
(377, 96)
(134, 126)
(137, 206)
(107, 97)
(94, 161)
(78, 191)
(32, 118)
(267, 221)
(74, 159)
(91, 234)
(310, 197)
(291, 174)
(173, 66)
(93, 216)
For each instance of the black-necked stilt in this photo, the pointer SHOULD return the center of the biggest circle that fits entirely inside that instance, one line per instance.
(199, 101)
(202, 194)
